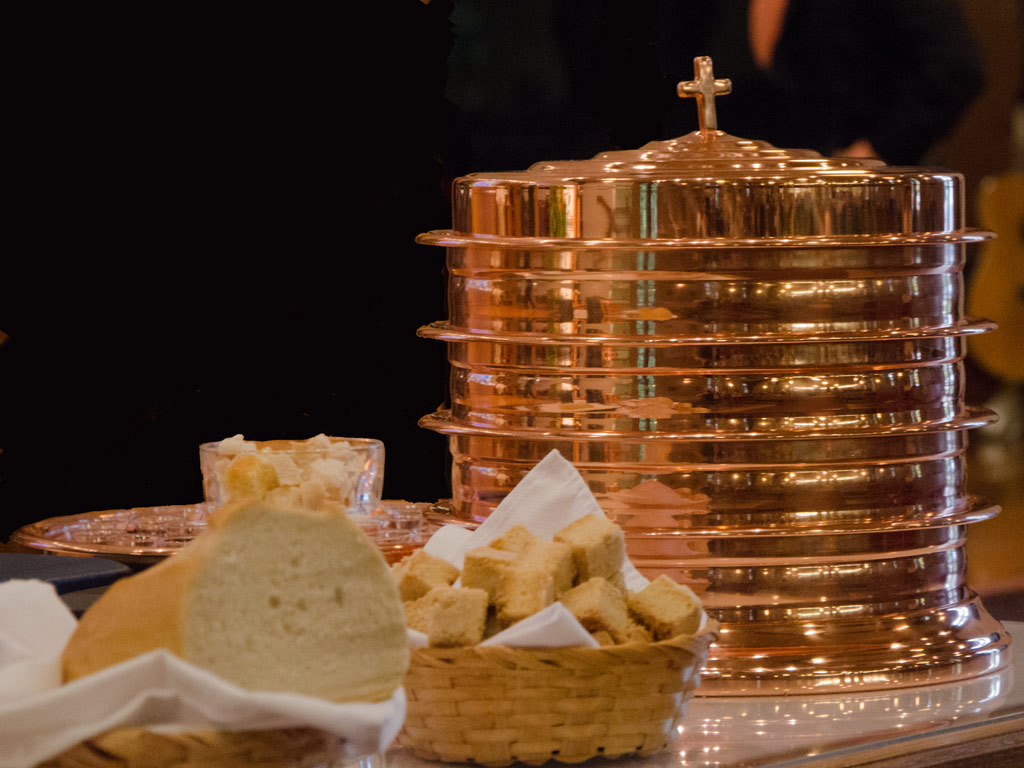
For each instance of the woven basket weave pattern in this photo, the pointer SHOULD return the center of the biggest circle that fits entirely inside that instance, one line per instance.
(139, 748)
(494, 705)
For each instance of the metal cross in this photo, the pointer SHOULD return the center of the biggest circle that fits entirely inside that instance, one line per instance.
(704, 87)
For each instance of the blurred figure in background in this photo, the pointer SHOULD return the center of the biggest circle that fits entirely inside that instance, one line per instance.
(996, 292)
(557, 79)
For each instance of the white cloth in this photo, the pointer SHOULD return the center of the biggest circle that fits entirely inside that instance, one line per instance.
(34, 628)
(40, 718)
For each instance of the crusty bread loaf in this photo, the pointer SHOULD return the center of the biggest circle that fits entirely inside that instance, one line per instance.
(269, 599)
(139, 748)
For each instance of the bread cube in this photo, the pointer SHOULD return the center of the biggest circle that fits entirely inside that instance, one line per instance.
(603, 637)
(515, 539)
(457, 617)
(492, 626)
(667, 608)
(417, 612)
(482, 569)
(637, 633)
(522, 593)
(599, 606)
(249, 475)
(553, 557)
(420, 572)
(598, 546)
(449, 616)
(617, 580)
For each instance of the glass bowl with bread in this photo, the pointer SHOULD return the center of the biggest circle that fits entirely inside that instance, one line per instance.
(340, 474)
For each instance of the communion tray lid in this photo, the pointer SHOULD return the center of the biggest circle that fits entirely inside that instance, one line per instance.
(707, 189)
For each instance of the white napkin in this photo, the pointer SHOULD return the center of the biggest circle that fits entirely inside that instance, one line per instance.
(39, 718)
(550, 496)
(34, 627)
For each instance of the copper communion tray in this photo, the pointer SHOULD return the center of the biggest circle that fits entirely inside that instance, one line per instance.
(754, 357)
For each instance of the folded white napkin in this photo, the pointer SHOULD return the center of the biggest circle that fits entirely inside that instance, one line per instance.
(550, 496)
(40, 718)
(34, 627)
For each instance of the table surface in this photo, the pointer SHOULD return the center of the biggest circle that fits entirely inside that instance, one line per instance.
(977, 722)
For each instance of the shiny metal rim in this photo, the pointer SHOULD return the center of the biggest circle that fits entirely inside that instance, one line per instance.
(452, 238)
(970, 418)
(977, 510)
(443, 331)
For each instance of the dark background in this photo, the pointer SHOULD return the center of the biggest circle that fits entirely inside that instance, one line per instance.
(216, 213)
(219, 217)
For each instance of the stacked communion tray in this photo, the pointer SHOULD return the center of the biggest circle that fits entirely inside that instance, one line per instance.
(754, 357)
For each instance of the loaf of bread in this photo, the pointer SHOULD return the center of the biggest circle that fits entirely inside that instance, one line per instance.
(268, 598)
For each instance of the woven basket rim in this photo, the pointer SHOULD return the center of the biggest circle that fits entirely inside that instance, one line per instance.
(610, 653)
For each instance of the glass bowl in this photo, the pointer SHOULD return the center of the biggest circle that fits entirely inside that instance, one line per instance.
(339, 474)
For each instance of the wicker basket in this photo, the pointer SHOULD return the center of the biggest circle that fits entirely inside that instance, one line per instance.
(139, 748)
(495, 705)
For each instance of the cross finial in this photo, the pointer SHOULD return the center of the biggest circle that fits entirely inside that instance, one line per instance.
(704, 87)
